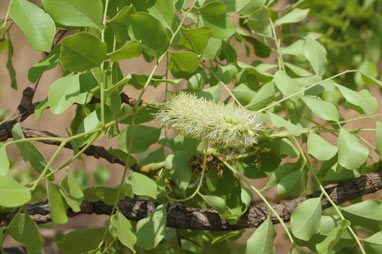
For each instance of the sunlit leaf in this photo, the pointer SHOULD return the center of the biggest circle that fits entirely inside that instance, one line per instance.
(351, 154)
(305, 220)
(12, 193)
(151, 230)
(261, 241)
(75, 13)
(37, 26)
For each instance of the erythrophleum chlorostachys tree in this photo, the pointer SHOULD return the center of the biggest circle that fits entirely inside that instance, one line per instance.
(250, 89)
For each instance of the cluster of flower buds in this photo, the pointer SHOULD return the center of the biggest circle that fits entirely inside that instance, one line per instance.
(220, 124)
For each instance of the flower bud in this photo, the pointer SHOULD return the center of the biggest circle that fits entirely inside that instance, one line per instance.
(220, 124)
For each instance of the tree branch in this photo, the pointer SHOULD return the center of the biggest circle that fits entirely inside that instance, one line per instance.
(208, 219)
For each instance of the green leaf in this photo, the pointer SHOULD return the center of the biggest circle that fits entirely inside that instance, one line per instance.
(315, 146)
(378, 138)
(295, 129)
(280, 172)
(259, 72)
(28, 151)
(180, 170)
(81, 240)
(70, 89)
(44, 65)
(82, 51)
(261, 50)
(75, 13)
(324, 109)
(292, 185)
(371, 80)
(37, 26)
(120, 24)
(101, 175)
(4, 162)
(152, 229)
(142, 185)
(4, 43)
(197, 81)
(183, 64)
(261, 241)
(12, 193)
(101, 193)
(351, 154)
(368, 209)
(316, 55)
(247, 7)
(285, 84)
(365, 101)
(130, 50)
(212, 50)
(305, 220)
(264, 96)
(295, 16)
(243, 94)
(298, 70)
(147, 29)
(71, 191)
(373, 244)
(11, 69)
(195, 39)
(125, 230)
(296, 49)
(284, 147)
(24, 230)
(367, 67)
(40, 108)
(57, 204)
(216, 203)
(226, 73)
(332, 238)
(164, 11)
(214, 17)
(142, 137)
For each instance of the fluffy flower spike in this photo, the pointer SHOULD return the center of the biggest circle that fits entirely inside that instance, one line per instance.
(221, 124)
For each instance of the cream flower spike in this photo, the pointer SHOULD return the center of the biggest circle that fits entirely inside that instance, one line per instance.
(221, 124)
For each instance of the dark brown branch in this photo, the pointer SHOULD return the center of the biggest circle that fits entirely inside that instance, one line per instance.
(124, 98)
(93, 150)
(209, 219)
(25, 109)
(15, 250)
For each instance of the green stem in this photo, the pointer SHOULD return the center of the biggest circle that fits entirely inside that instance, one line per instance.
(224, 85)
(35, 139)
(130, 146)
(370, 146)
(303, 90)
(7, 14)
(200, 181)
(43, 173)
(162, 56)
(283, 134)
(76, 155)
(327, 195)
(339, 213)
(360, 118)
(7, 229)
(103, 78)
(277, 43)
(231, 94)
(234, 171)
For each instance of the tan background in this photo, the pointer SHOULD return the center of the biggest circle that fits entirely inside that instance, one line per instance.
(24, 57)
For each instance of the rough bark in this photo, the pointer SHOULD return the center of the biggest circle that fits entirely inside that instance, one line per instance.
(180, 216)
